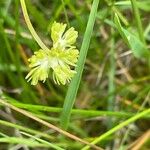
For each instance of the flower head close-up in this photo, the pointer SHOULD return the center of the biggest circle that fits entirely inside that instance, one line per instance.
(61, 57)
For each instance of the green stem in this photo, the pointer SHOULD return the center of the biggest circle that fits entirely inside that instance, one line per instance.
(118, 127)
(9, 124)
(30, 27)
(88, 113)
(54, 146)
(65, 12)
(74, 85)
(111, 86)
(17, 59)
(138, 20)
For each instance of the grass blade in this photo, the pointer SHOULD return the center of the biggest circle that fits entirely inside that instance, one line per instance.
(12, 125)
(27, 142)
(74, 85)
(118, 127)
(138, 20)
(43, 141)
(138, 48)
(79, 112)
(49, 125)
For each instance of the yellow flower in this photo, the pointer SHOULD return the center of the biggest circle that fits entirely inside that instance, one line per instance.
(59, 58)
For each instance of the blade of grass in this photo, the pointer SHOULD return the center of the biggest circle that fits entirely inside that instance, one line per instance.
(9, 124)
(43, 141)
(65, 12)
(3, 135)
(6, 40)
(74, 85)
(118, 127)
(6, 8)
(84, 113)
(49, 125)
(138, 48)
(17, 57)
(129, 129)
(27, 142)
(111, 85)
(138, 20)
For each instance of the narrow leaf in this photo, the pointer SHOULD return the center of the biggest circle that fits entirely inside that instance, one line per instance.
(138, 48)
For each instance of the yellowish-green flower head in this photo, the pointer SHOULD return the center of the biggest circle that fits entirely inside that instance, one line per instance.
(60, 58)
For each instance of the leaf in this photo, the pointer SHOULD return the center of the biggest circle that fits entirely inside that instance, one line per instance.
(27, 142)
(138, 48)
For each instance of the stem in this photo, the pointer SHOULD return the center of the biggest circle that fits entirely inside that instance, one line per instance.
(118, 127)
(83, 113)
(65, 12)
(74, 85)
(138, 20)
(111, 88)
(30, 27)
(29, 130)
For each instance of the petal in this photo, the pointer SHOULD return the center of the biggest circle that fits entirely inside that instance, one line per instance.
(37, 74)
(63, 74)
(38, 58)
(69, 56)
(57, 31)
(70, 36)
(29, 75)
(39, 63)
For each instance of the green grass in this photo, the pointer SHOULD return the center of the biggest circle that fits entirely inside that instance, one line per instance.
(106, 105)
(74, 85)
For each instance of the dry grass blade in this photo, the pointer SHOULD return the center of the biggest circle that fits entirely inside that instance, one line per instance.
(136, 145)
(49, 125)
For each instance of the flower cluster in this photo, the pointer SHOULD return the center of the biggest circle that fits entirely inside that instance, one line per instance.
(60, 58)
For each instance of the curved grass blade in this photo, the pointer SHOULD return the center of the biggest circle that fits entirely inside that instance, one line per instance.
(138, 48)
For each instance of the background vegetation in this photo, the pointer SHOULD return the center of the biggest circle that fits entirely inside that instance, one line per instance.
(112, 104)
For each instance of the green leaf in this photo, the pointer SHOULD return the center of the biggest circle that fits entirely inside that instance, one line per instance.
(138, 48)
(18, 140)
(74, 85)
